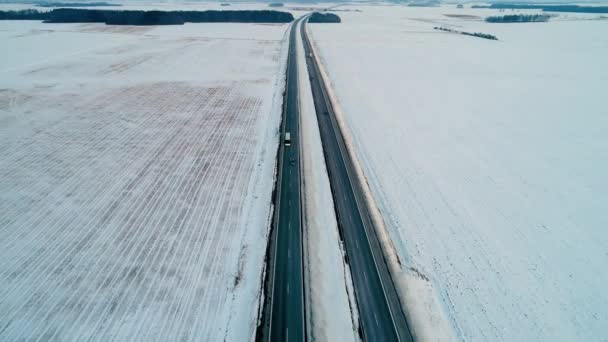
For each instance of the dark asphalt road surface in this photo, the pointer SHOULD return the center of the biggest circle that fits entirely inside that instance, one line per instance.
(380, 314)
(287, 318)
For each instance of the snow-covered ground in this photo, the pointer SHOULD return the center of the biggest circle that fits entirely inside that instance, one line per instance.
(487, 160)
(332, 311)
(136, 170)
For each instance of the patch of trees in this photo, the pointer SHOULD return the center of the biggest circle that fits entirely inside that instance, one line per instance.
(548, 8)
(519, 18)
(137, 18)
(318, 17)
(116, 17)
(27, 14)
(276, 4)
(480, 35)
(472, 34)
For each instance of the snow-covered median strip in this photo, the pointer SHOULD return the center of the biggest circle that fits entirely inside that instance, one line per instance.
(331, 315)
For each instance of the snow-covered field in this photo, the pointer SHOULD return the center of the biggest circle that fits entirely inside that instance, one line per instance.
(488, 160)
(136, 168)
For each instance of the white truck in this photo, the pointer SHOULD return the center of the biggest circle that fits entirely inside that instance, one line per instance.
(287, 139)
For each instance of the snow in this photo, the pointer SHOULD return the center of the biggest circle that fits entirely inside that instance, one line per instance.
(136, 168)
(487, 161)
(329, 286)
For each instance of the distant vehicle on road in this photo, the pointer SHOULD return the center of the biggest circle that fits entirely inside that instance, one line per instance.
(287, 139)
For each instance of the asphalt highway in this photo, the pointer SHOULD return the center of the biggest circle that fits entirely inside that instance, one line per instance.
(286, 318)
(380, 314)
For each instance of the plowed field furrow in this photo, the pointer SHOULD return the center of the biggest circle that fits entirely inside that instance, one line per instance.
(129, 186)
(164, 247)
(144, 249)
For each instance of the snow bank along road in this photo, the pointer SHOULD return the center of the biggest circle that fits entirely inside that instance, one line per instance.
(285, 320)
(380, 312)
(136, 170)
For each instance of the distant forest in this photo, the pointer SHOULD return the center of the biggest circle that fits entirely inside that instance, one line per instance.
(519, 18)
(27, 14)
(118, 17)
(548, 8)
(317, 17)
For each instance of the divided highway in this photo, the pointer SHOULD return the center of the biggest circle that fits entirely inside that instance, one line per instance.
(381, 317)
(284, 317)
(380, 314)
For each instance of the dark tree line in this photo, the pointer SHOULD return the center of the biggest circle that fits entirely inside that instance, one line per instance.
(118, 17)
(480, 35)
(472, 34)
(27, 14)
(519, 18)
(317, 17)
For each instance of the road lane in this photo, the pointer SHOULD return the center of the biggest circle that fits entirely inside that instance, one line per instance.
(380, 313)
(285, 306)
